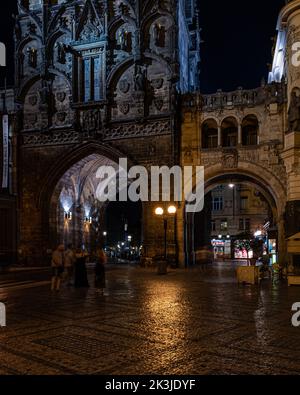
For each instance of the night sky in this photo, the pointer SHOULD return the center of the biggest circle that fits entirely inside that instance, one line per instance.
(237, 45)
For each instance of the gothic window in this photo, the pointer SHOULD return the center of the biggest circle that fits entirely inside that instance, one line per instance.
(87, 79)
(90, 85)
(229, 132)
(210, 134)
(218, 204)
(250, 128)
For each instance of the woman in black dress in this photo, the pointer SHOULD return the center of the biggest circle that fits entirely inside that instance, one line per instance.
(100, 280)
(81, 278)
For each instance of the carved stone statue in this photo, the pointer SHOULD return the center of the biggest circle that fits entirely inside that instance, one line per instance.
(61, 53)
(294, 113)
(91, 120)
(125, 40)
(159, 35)
(32, 57)
(140, 79)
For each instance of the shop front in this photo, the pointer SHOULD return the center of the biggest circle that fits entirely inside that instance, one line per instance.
(221, 248)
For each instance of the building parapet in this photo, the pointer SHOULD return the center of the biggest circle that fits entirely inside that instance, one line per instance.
(266, 94)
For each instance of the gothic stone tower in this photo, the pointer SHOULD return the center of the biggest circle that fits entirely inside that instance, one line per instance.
(286, 66)
(96, 77)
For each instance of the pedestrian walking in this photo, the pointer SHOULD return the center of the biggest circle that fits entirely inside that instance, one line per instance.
(58, 258)
(70, 259)
(100, 278)
(81, 277)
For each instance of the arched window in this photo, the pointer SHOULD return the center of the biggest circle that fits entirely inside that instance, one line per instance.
(229, 132)
(209, 134)
(250, 130)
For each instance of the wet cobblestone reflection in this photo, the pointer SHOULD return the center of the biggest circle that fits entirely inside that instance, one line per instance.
(188, 322)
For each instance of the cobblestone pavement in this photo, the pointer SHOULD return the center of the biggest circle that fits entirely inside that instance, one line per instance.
(188, 322)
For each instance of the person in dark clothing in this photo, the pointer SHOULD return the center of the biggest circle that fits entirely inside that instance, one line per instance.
(100, 278)
(81, 278)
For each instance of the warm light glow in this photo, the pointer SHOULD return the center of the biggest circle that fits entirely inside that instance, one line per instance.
(159, 211)
(220, 236)
(172, 210)
(68, 216)
(104, 234)
(258, 233)
(231, 185)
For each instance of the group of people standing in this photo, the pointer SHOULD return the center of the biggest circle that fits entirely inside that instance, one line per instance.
(69, 266)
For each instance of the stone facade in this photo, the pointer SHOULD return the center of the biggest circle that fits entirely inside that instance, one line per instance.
(101, 80)
(96, 78)
(238, 136)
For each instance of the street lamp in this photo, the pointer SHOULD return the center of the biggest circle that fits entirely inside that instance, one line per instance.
(105, 239)
(172, 210)
(159, 211)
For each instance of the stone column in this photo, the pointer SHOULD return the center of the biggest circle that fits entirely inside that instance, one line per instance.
(219, 136)
(240, 138)
(180, 236)
(281, 241)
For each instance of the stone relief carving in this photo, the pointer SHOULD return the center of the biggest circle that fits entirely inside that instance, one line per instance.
(294, 113)
(159, 103)
(230, 159)
(33, 100)
(92, 29)
(91, 120)
(61, 96)
(114, 133)
(124, 108)
(124, 86)
(157, 83)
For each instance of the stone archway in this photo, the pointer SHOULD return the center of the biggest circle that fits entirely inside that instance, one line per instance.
(41, 193)
(272, 188)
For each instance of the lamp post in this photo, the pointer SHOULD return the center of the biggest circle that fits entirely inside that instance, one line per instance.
(172, 210)
(105, 239)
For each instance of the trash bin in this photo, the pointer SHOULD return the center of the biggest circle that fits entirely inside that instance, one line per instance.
(162, 267)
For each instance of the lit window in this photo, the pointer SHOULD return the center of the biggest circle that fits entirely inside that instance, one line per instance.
(224, 224)
(218, 204)
(244, 203)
